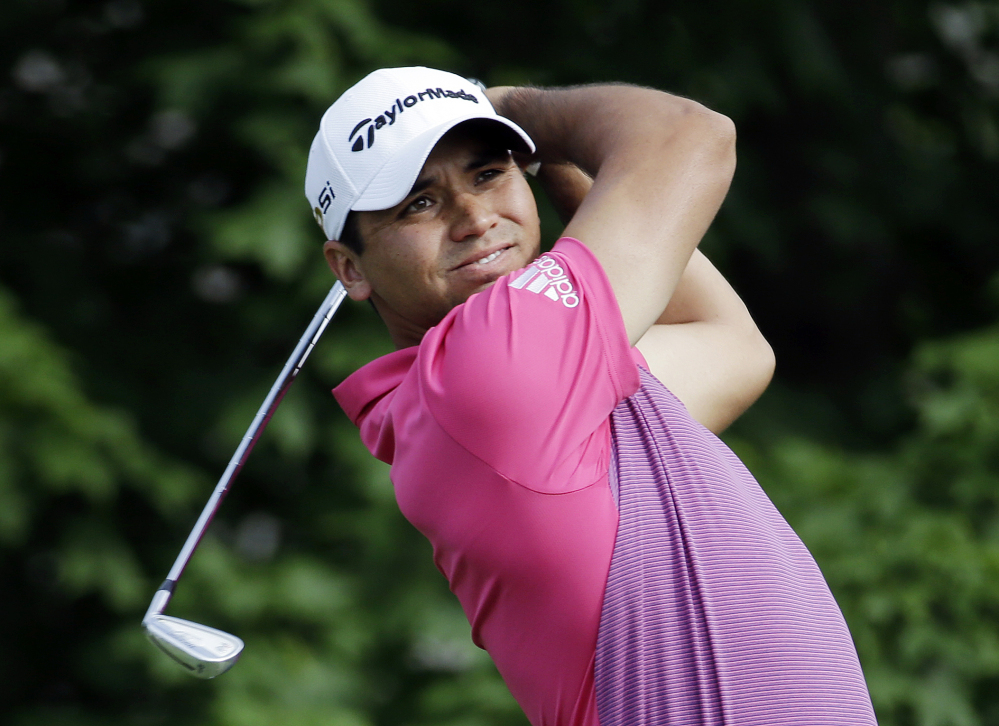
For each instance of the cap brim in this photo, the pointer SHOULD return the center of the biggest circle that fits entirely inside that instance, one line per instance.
(395, 179)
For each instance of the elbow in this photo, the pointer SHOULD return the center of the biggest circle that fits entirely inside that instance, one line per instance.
(767, 365)
(754, 373)
(721, 133)
(720, 126)
(759, 366)
(724, 129)
(710, 140)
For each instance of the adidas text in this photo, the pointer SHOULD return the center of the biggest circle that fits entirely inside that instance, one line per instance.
(546, 276)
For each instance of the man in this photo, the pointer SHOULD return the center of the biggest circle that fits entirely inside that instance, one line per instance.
(617, 561)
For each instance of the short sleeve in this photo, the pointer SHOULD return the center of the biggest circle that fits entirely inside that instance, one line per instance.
(525, 374)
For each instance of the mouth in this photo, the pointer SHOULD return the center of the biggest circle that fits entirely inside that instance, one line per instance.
(485, 260)
(488, 258)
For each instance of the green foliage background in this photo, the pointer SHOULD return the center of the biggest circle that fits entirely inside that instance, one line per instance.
(158, 263)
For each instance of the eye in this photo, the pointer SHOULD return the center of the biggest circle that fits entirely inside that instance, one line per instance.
(489, 174)
(417, 205)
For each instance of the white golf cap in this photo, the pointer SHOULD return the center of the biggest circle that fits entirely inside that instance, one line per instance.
(373, 141)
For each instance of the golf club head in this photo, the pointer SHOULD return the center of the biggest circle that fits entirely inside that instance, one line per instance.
(205, 652)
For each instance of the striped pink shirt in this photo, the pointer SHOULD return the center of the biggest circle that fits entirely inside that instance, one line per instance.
(617, 561)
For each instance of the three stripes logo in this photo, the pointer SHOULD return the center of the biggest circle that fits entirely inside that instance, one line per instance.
(547, 277)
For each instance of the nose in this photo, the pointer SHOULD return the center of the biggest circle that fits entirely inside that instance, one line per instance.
(472, 217)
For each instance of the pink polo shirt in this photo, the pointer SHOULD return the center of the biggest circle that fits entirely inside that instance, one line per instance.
(616, 559)
(497, 429)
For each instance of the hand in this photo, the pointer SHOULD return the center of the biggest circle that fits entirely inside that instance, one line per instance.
(566, 185)
(496, 96)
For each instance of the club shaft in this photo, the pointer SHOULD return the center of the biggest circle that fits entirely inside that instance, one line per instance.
(267, 409)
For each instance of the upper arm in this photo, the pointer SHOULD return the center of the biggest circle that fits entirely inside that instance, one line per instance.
(666, 172)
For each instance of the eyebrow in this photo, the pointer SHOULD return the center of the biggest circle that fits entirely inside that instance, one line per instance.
(422, 183)
(482, 158)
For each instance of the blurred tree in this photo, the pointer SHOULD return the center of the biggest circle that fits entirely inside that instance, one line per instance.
(158, 264)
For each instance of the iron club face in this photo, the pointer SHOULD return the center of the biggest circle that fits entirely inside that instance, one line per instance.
(205, 652)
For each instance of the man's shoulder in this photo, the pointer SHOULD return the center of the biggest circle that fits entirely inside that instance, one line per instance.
(373, 382)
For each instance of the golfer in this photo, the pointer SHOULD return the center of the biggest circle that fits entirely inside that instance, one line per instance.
(550, 419)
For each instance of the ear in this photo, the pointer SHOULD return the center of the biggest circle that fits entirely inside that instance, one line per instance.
(346, 265)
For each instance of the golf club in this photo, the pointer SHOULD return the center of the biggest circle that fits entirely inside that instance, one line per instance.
(207, 652)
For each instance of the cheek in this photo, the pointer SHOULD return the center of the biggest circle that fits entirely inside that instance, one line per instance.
(404, 263)
(524, 210)
(522, 200)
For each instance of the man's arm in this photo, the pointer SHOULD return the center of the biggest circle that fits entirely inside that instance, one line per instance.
(705, 346)
(661, 166)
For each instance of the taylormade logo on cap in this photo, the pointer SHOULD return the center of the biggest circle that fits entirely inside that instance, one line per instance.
(373, 141)
(388, 117)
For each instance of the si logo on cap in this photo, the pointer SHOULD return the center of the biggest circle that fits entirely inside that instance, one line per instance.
(326, 197)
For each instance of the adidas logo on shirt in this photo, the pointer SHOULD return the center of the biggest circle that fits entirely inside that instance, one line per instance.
(547, 277)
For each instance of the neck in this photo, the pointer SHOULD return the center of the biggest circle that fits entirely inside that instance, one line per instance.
(404, 333)
(405, 340)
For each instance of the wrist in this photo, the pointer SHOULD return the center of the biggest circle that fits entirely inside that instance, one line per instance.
(513, 102)
(496, 96)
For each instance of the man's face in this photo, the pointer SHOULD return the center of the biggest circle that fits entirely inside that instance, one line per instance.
(470, 219)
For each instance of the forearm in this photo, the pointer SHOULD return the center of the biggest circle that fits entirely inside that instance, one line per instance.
(588, 125)
(704, 295)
